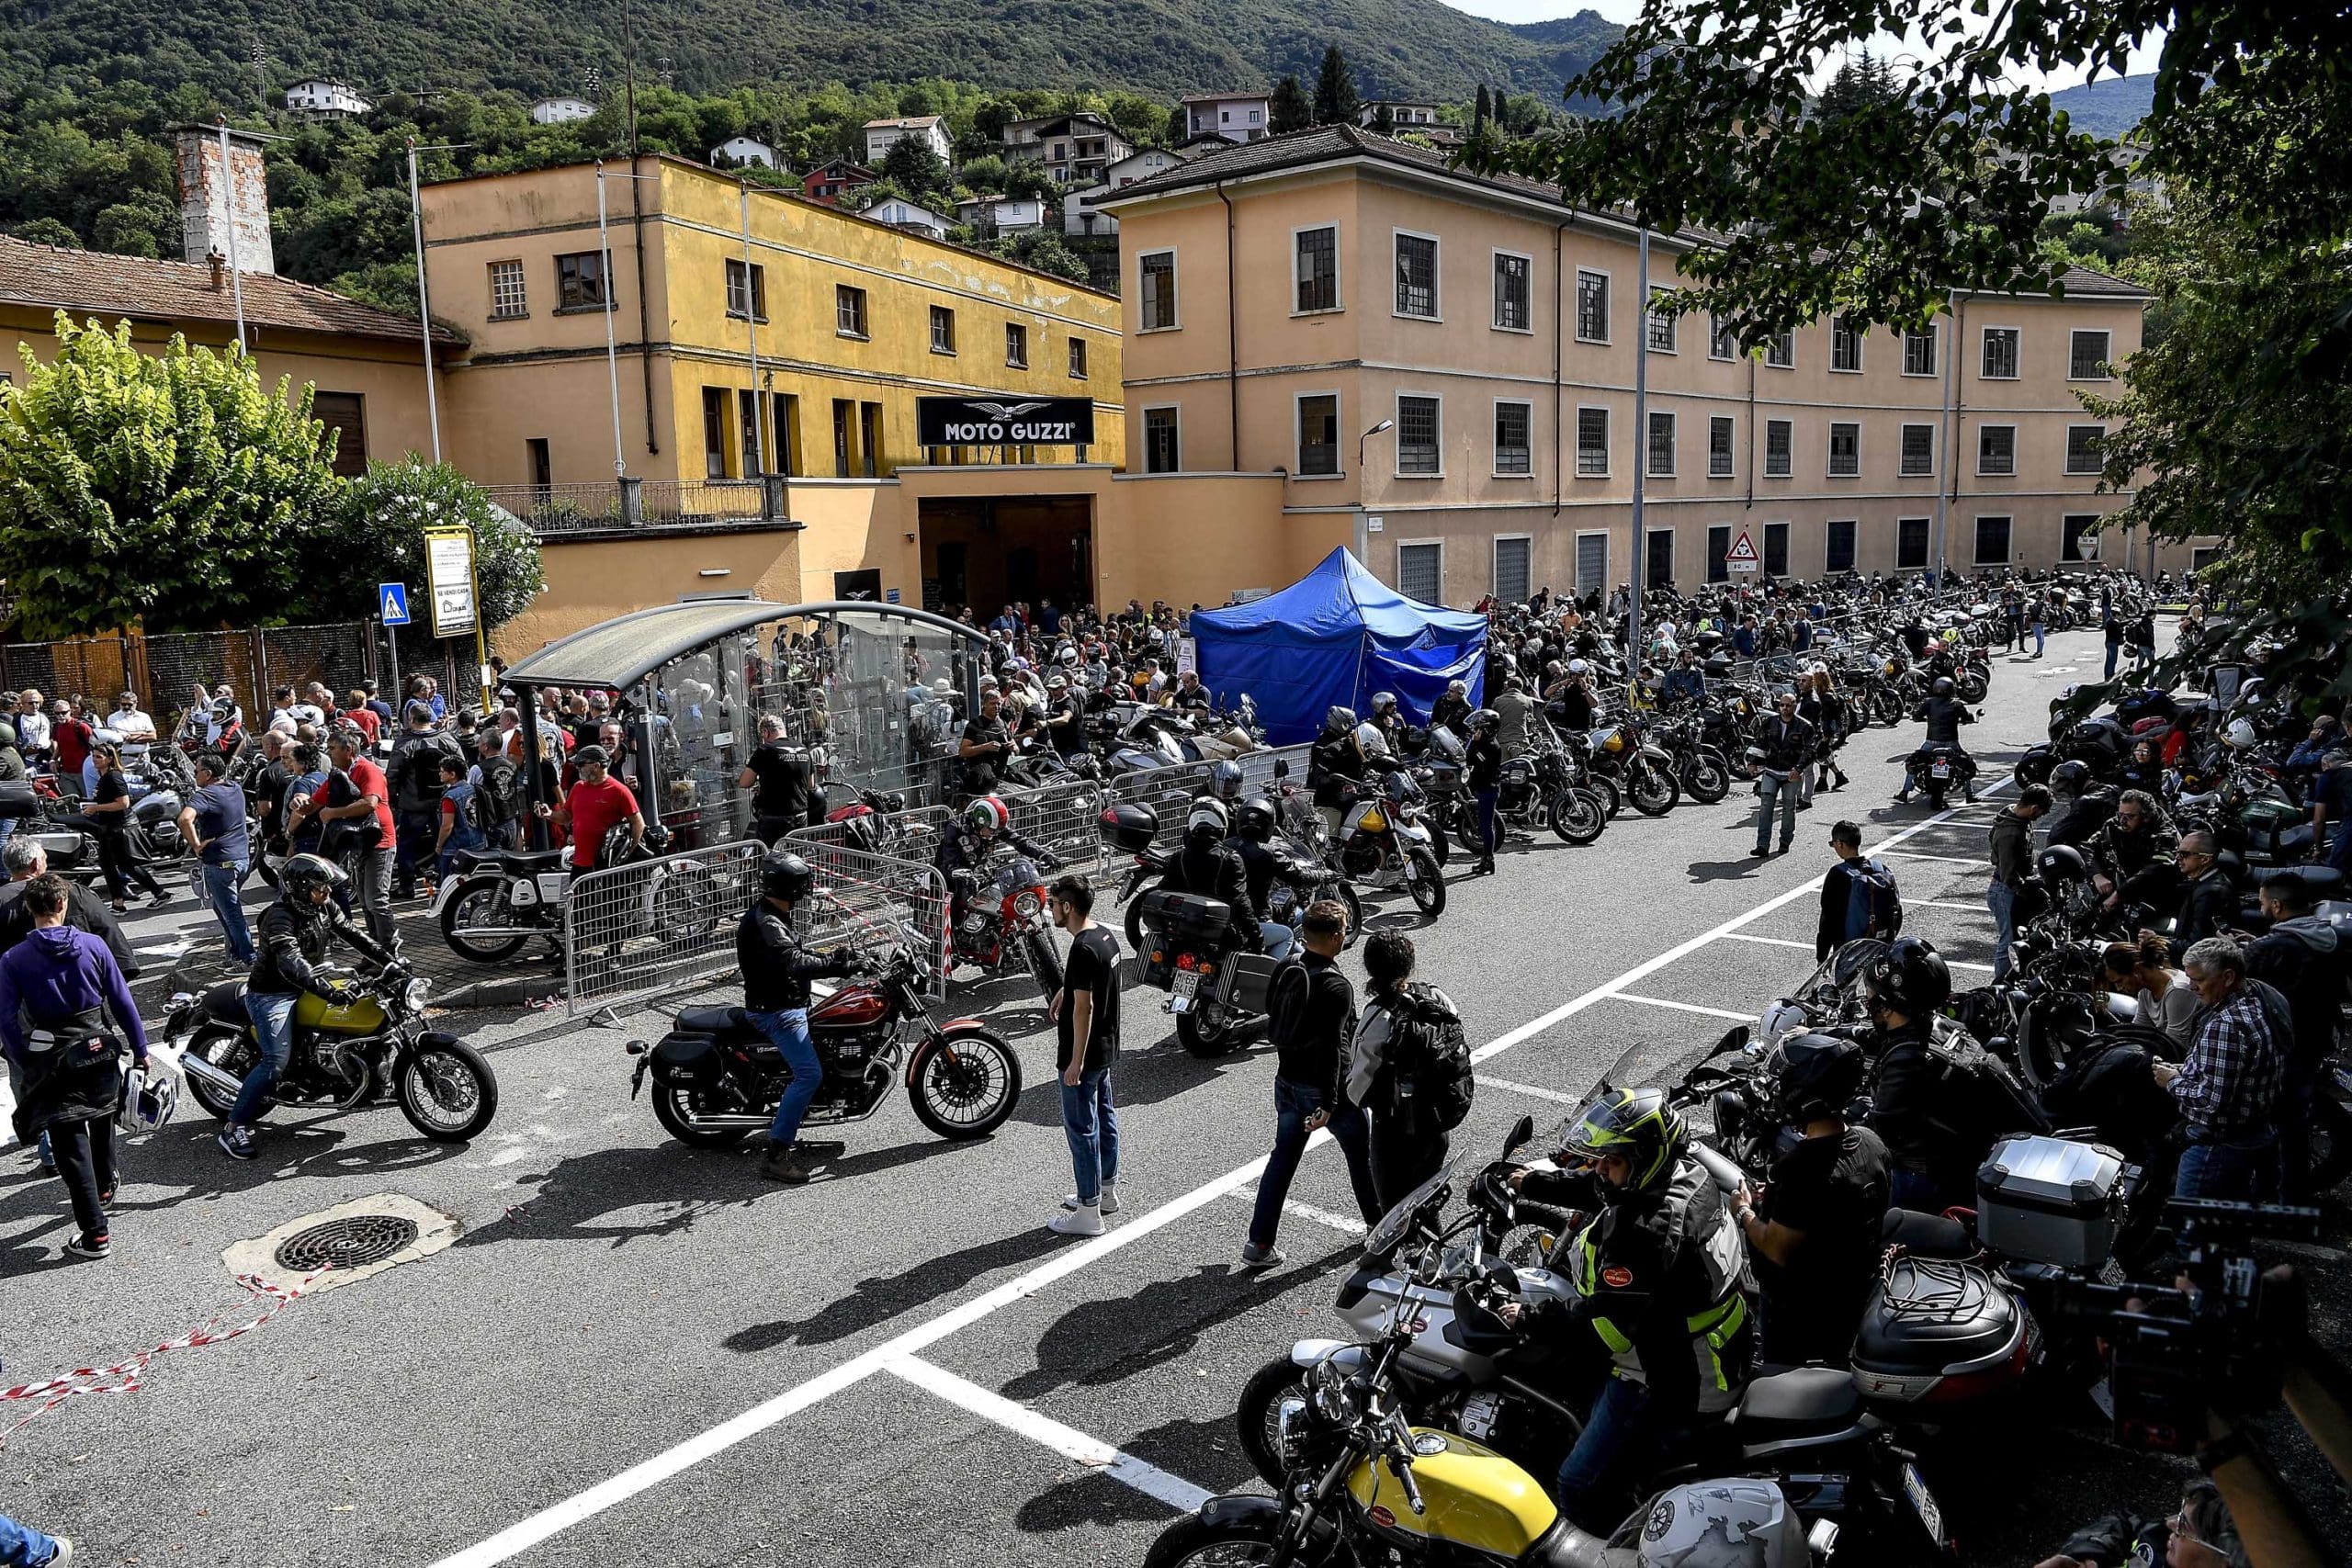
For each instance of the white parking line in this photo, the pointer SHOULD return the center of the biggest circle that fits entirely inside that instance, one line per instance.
(1307, 1212)
(1768, 941)
(1945, 904)
(521, 1536)
(1914, 854)
(1067, 1442)
(1691, 1007)
(1510, 1087)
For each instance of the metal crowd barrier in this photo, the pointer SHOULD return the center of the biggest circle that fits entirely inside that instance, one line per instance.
(1064, 818)
(914, 834)
(634, 930)
(1170, 791)
(871, 902)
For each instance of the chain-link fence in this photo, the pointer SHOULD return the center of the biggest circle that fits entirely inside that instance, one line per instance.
(164, 671)
(632, 932)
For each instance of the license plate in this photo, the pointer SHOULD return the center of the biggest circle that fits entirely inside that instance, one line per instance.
(1923, 1503)
(1188, 983)
(1941, 770)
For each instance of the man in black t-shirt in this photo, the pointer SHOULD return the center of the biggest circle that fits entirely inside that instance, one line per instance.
(1086, 1020)
(1813, 1232)
(788, 796)
(986, 742)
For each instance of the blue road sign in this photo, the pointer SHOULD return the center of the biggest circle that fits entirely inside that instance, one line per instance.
(391, 602)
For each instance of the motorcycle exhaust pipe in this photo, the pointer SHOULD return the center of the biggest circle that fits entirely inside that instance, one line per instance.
(499, 931)
(732, 1122)
(210, 1074)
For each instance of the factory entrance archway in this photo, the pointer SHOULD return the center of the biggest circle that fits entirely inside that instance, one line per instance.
(987, 551)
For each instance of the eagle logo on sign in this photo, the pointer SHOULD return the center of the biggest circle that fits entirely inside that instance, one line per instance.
(1005, 412)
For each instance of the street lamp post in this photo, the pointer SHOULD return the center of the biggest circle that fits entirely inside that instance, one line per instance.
(424, 296)
(1364, 534)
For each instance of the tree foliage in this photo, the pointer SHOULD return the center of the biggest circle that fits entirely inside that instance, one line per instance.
(1336, 101)
(384, 515)
(914, 166)
(171, 490)
(1289, 109)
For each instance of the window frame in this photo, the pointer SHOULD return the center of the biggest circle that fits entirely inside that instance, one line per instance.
(1526, 406)
(2104, 365)
(1527, 294)
(1903, 468)
(1829, 452)
(1607, 283)
(1730, 469)
(1076, 359)
(1575, 548)
(2070, 535)
(2010, 472)
(1604, 411)
(1298, 277)
(1787, 338)
(521, 275)
(1715, 565)
(347, 464)
(1176, 427)
(945, 313)
(1494, 563)
(1143, 295)
(1927, 543)
(1298, 436)
(1436, 312)
(1650, 318)
(1934, 337)
(2009, 538)
(1430, 543)
(851, 301)
(756, 288)
(1396, 447)
(1789, 457)
(1853, 526)
(1650, 470)
(604, 282)
(1720, 336)
(1788, 536)
(1840, 331)
(1016, 346)
(2098, 464)
(2016, 352)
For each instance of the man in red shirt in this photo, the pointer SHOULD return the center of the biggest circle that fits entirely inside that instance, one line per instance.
(357, 793)
(72, 737)
(594, 807)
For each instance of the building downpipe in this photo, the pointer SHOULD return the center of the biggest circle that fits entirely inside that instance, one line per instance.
(1233, 341)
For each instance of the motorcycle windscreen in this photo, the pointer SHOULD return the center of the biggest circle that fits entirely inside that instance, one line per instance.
(1400, 1219)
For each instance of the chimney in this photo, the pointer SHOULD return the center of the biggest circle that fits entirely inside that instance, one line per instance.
(220, 265)
(215, 200)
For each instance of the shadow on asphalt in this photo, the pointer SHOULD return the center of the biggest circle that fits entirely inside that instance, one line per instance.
(878, 1299)
(1139, 1077)
(1208, 1453)
(1724, 870)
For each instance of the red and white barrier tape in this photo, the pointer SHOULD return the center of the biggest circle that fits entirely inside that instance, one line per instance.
(55, 1391)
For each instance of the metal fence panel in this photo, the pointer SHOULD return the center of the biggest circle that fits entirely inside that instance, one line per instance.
(95, 667)
(1064, 818)
(632, 932)
(337, 657)
(871, 901)
(1172, 790)
(914, 834)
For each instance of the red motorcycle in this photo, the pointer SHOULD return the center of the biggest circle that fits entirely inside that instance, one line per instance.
(1000, 921)
(716, 1080)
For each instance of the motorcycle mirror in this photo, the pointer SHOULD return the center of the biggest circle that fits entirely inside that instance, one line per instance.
(1522, 1131)
(1735, 1039)
(637, 1048)
(1281, 767)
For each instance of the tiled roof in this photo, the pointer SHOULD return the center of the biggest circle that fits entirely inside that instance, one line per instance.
(1222, 98)
(910, 123)
(2081, 281)
(94, 283)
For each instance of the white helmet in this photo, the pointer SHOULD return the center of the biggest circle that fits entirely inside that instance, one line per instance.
(1371, 742)
(2239, 736)
(1780, 1018)
(1579, 667)
(1722, 1524)
(151, 1094)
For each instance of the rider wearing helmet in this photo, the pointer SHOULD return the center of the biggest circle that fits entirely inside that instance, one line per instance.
(1264, 861)
(1226, 782)
(1451, 710)
(1206, 867)
(964, 848)
(1814, 1231)
(1388, 718)
(776, 971)
(2085, 806)
(1934, 1165)
(1944, 713)
(1661, 1279)
(1333, 763)
(1483, 773)
(289, 942)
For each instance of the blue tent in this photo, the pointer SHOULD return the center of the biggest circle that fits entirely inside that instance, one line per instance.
(1335, 637)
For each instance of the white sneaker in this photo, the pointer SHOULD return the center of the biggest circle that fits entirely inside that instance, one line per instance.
(1085, 1221)
(1110, 1203)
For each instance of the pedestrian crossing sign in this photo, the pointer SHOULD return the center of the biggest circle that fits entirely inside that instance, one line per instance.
(391, 602)
(1741, 556)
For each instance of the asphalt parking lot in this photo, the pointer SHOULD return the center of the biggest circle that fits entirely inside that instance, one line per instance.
(632, 1351)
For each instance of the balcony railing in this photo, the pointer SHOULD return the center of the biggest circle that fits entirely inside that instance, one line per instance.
(632, 505)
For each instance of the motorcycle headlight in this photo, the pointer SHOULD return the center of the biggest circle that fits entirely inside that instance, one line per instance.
(1290, 1431)
(413, 995)
(1026, 905)
(1327, 1385)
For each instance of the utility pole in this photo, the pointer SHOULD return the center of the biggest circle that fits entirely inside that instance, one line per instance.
(629, 66)
(424, 296)
(751, 331)
(612, 351)
(261, 76)
(1641, 457)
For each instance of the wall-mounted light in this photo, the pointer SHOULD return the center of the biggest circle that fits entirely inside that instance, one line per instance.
(715, 572)
(910, 538)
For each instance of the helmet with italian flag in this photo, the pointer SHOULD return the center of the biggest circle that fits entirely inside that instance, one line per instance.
(1640, 1125)
(987, 814)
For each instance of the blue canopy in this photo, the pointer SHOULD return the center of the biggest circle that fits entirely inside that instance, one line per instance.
(1333, 639)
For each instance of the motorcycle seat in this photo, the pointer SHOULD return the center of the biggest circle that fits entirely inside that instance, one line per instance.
(519, 861)
(1800, 1399)
(1926, 1235)
(225, 1003)
(712, 1020)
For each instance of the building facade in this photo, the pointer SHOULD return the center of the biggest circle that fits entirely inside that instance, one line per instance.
(320, 99)
(1446, 362)
(881, 135)
(826, 182)
(560, 110)
(1236, 117)
(742, 152)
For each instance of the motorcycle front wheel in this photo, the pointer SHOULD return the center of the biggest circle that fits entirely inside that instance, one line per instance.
(1576, 815)
(447, 1091)
(2328, 1158)
(1256, 1418)
(1194, 1542)
(685, 907)
(1038, 951)
(1427, 884)
(1972, 688)
(1653, 789)
(479, 901)
(963, 1083)
(1704, 777)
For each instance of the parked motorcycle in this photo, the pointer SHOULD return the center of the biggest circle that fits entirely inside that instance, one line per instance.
(716, 1080)
(1216, 991)
(1384, 846)
(1641, 768)
(1001, 923)
(498, 899)
(348, 1050)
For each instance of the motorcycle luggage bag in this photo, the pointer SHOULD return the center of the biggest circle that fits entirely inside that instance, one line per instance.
(686, 1061)
(1445, 778)
(1186, 917)
(1130, 827)
(1253, 978)
(2150, 704)
(2049, 1201)
(18, 799)
(1929, 1320)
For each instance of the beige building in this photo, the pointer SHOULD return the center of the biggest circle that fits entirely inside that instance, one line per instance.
(1445, 362)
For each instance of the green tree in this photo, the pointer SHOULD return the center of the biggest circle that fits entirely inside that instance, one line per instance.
(1335, 90)
(384, 515)
(1027, 176)
(1479, 112)
(1863, 81)
(1289, 109)
(46, 231)
(171, 491)
(914, 166)
(985, 172)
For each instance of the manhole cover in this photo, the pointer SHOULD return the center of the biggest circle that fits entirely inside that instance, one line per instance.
(352, 1242)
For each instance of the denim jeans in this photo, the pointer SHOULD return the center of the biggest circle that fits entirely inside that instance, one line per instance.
(1621, 1446)
(21, 1546)
(1274, 939)
(1294, 1103)
(1092, 1123)
(1770, 786)
(787, 1031)
(2002, 900)
(2041, 640)
(1491, 837)
(2243, 1170)
(413, 834)
(2114, 651)
(221, 890)
(273, 1016)
(375, 880)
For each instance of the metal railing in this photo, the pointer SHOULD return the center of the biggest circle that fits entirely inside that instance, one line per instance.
(871, 901)
(1065, 820)
(1170, 791)
(631, 503)
(914, 834)
(634, 930)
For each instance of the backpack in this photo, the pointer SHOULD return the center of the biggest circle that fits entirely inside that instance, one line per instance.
(1429, 1056)
(1982, 1101)
(1876, 902)
(498, 799)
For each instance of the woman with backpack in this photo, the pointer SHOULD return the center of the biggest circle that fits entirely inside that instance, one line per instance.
(1408, 1069)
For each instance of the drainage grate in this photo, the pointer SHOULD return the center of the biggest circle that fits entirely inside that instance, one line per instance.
(352, 1242)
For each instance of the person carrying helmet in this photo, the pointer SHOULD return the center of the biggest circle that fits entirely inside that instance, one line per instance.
(1451, 710)
(1483, 773)
(1571, 702)
(1944, 713)
(1813, 1229)
(776, 971)
(291, 942)
(1206, 867)
(1265, 861)
(985, 825)
(1661, 1280)
(1333, 763)
(1934, 1162)
(1064, 715)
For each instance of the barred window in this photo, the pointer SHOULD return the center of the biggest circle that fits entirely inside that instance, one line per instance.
(1592, 442)
(1417, 435)
(1592, 307)
(507, 296)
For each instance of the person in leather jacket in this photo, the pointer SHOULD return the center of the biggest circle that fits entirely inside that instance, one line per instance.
(776, 971)
(1264, 862)
(1452, 711)
(1933, 1166)
(1944, 713)
(1206, 868)
(1663, 1286)
(289, 942)
(1333, 763)
(2131, 857)
(985, 825)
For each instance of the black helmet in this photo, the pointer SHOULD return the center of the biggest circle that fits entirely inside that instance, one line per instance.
(1910, 977)
(1226, 780)
(1819, 1075)
(305, 874)
(1255, 820)
(1642, 1124)
(1718, 666)
(2070, 778)
(860, 834)
(1943, 686)
(1483, 718)
(1340, 718)
(2062, 863)
(786, 876)
(1208, 823)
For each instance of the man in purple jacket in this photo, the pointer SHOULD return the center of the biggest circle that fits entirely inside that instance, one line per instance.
(57, 988)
